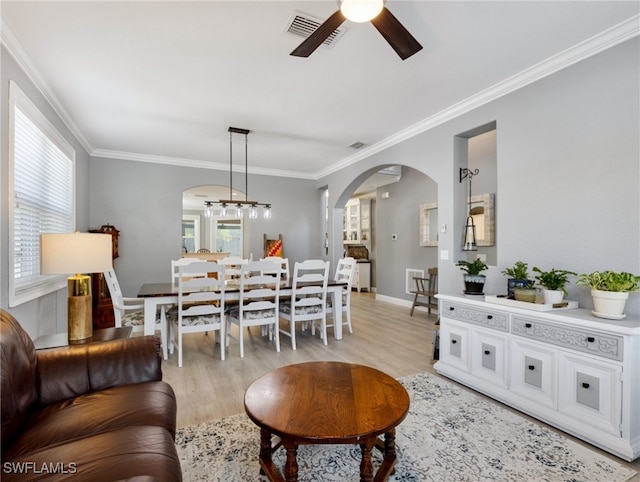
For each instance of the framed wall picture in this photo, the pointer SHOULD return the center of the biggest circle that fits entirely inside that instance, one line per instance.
(429, 224)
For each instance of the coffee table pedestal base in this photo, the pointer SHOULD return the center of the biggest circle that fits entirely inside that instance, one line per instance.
(386, 469)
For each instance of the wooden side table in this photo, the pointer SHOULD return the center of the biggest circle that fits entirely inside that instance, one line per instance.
(326, 403)
(62, 339)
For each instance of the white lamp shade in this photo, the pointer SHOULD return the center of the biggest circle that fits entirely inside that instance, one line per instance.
(361, 10)
(67, 253)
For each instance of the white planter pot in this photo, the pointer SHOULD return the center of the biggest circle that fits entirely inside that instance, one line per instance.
(609, 304)
(552, 296)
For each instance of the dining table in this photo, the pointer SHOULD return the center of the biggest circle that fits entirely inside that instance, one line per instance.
(155, 295)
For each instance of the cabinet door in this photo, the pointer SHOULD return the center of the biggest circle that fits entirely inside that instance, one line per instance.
(590, 391)
(488, 356)
(454, 344)
(533, 372)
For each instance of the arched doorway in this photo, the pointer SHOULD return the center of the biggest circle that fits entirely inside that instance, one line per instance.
(395, 196)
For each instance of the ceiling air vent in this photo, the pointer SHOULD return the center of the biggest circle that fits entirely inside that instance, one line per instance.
(303, 25)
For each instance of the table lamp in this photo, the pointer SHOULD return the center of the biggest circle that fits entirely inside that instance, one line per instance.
(65, 253)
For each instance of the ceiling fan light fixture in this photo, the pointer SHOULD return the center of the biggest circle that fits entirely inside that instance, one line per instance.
(361, 10)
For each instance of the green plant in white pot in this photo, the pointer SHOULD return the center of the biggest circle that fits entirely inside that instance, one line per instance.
(553, 282)
(610, 291)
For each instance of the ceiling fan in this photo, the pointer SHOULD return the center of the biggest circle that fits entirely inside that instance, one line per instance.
(372, 11)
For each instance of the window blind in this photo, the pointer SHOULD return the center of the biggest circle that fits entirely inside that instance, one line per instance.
(42, 198)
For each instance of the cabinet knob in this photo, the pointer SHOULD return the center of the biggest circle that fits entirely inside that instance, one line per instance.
(532, 367)
(487, 352)
(451, 308)
(585, 385)
(591, 339)
(527, 325)
(454, 341)
(489, 317)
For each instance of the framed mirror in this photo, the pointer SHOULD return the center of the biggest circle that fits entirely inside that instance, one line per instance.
(429, 224)
(482, 211)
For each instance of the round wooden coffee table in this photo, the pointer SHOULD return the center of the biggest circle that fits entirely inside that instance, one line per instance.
(326, 403)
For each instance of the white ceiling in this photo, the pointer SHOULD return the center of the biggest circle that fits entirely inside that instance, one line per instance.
(162, 81)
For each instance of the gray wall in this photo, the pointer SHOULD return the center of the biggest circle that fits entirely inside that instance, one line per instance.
(144, 201)
(567, 175)
(399, 214)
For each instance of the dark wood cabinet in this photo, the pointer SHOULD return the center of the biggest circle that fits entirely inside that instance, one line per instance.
(102, 306)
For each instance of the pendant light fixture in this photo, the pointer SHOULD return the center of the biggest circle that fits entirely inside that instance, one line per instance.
(469, 238)
(227, 205)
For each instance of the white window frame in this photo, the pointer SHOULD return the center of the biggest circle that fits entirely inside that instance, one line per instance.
(40, 285)
(196, 229)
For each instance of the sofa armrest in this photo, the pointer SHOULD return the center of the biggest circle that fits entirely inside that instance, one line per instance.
(67, 372)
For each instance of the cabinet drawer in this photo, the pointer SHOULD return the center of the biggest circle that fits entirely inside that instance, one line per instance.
(489, 356)
(533, 372)
(586, 341)
(590, 391)
(487, 318)
(454, 345)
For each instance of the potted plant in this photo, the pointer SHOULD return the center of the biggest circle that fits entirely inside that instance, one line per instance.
(473, 280)
(553, 282)
(610, 291)
(518, 278)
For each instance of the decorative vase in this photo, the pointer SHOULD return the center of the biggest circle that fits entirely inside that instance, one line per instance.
(513, 283)
(474, 284)
(525, 294)
(609, 304)
(552, 296)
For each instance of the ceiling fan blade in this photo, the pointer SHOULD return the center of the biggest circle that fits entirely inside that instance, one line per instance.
(313, 41)
(398, 37)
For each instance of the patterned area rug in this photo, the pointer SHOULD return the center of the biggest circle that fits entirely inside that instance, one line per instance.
(450, 434)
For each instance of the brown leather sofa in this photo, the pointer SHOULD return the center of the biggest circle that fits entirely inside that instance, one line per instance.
(94, 412)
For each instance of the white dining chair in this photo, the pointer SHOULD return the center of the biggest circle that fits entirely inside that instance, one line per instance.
(130, 311)
(345, 273)
(200, 308)
(284, 267)
(308, 302)
(258, 302)
(232, 265)
(175, 266)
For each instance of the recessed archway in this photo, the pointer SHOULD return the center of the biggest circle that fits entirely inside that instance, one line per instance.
(395, 225)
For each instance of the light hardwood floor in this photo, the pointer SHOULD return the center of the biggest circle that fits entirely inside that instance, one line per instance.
(384, 337)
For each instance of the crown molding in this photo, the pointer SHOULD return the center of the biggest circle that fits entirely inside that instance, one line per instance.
(194, 163)
(605, 40)
(9, 39)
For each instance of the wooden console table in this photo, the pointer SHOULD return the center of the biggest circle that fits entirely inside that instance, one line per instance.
(326, 403)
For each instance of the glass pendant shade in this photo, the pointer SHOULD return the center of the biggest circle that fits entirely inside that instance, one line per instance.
(253, 211)
(361, 10)
(470, 236)
(266, 212)
(224, 211)
(239, 211)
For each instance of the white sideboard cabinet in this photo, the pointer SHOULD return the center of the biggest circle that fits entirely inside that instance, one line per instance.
(567, 368)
